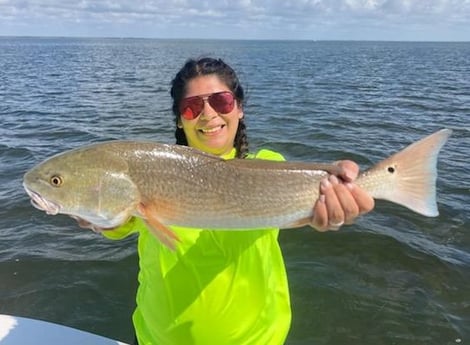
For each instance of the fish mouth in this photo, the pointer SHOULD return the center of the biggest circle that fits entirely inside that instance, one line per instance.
(41, 203)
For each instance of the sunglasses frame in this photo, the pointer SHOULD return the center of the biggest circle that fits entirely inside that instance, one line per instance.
(187, 112)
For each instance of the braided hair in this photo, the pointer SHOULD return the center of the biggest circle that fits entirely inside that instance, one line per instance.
(205, 66)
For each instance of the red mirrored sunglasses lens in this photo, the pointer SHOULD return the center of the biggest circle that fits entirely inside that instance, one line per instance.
(221, 102)
(191, 107)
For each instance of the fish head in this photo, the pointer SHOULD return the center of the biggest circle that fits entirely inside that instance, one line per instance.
(90, 183)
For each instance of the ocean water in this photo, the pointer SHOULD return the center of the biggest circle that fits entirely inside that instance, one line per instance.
(394, 277)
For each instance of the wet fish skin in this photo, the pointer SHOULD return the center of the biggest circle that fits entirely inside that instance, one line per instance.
(107, 183)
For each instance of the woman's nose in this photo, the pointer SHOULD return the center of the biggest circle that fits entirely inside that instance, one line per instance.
(208, 112)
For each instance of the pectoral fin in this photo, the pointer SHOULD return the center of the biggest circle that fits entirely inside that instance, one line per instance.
(161, 232)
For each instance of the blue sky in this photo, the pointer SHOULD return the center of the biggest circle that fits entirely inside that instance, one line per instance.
(409, 20)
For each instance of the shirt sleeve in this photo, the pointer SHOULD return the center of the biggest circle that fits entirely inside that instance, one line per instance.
(127, 229)
(269, 155)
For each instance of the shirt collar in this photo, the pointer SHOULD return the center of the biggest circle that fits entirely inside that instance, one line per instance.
(230, 155)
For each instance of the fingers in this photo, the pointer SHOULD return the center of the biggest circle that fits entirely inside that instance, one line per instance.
(348, 170)
(364, 201)
(328, 187)
(356, 201)
(82, 223)
(339, 203)
(87, 225)
(328, 210)
(347, 202)
(320, 215)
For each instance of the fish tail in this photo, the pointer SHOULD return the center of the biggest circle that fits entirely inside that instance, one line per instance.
(408, 177)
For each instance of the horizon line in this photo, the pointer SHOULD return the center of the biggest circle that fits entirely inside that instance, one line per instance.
(230, 39)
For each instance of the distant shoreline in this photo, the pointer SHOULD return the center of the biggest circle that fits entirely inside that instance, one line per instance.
(222, 39)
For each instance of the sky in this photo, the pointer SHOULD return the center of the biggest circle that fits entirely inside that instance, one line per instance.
(389, 20)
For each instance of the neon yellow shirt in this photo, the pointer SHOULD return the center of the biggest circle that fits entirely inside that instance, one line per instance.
(218, 287)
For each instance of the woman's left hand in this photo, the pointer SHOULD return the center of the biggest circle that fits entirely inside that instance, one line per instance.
(341, 201)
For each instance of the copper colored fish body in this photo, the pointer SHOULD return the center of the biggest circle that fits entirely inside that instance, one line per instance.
(105, 184)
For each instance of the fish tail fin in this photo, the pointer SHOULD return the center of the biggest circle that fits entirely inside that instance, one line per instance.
(159, 230)
(409, 176)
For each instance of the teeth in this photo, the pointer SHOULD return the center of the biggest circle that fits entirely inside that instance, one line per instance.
(210, 130)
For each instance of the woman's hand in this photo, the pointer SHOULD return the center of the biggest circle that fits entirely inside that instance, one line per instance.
(87, 225)
(340, 201)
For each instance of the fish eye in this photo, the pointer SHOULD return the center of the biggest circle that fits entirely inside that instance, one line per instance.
(56, 180)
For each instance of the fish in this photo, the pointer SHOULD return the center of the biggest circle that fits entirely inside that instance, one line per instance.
(105, 184)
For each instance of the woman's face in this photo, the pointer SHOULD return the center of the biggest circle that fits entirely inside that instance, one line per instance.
(210, 132)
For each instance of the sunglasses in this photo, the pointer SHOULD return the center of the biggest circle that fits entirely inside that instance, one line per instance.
(222, 102)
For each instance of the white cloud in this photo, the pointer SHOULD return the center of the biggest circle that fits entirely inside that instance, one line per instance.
(298, 18)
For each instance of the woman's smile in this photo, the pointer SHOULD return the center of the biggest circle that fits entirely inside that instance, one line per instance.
(212, 130)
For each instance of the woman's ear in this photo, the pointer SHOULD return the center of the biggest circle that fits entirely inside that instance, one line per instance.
(240, 110)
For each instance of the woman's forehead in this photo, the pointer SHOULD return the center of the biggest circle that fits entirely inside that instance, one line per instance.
(205, 84)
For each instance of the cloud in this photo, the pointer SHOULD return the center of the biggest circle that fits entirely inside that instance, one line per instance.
(233, 19)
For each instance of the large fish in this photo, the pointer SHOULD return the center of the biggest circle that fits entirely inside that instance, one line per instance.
(105, 184)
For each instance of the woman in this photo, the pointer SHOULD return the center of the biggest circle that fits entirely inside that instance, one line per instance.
(223, 287)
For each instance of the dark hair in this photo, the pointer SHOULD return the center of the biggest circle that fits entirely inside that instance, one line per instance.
(206, 66)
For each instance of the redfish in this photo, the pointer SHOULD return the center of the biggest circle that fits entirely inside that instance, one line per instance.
(105, 184)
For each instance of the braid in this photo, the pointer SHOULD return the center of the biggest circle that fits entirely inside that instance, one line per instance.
(180, 137)
(241, 140)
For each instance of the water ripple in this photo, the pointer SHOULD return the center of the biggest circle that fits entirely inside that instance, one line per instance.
(313, 101)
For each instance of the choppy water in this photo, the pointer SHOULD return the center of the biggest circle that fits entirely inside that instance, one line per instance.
(392, 278)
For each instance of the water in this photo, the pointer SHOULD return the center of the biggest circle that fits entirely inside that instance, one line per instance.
(394, 277)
